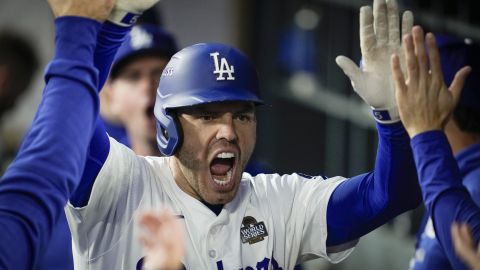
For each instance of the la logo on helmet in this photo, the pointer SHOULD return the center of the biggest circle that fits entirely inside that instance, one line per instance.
(222, 68)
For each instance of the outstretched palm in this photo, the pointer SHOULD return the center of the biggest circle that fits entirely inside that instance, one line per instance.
(379, 39)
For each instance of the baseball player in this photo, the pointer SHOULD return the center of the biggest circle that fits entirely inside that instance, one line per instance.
(205, 111)
(128, 96)
(425, 105)
(463, 133)
(48, 166)
(18, 64)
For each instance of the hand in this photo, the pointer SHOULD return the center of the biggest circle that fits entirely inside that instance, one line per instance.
(94, 9)
(126, 12)
(424, 101)
(464, 245)
(379, 38)
(163, 240)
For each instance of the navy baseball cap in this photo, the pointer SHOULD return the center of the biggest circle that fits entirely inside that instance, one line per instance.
(144, 40)
(456, 53)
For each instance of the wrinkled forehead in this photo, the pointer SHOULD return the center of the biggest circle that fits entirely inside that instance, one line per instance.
(220, 107)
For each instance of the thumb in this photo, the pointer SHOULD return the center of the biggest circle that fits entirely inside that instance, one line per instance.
(349, 67)
(458, 82)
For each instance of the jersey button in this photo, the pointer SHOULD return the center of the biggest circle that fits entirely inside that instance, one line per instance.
(212, 253)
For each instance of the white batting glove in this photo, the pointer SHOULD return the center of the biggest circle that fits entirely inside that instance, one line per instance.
(379, 39)
(126, 12)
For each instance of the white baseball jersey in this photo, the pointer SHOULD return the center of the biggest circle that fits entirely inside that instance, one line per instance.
(274, 222)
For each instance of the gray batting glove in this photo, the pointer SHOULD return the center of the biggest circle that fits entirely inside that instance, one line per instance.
(126, 12)
(379, 39)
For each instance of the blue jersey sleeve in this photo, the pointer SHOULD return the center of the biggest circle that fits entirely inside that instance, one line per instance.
(110, 37)
(364, 202)
(446, 199)
(48, 166)
(471, 182)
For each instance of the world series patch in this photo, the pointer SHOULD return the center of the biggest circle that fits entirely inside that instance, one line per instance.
(252, 231)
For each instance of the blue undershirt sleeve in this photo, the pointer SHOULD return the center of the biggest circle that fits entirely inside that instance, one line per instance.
(109, 39)
(364, 202)
(445, 197)
(50, 161)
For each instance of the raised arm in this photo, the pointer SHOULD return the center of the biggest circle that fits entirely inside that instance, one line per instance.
(109, 39)
(425, 105)
(110, 36)
(363, 203)
(49, 164)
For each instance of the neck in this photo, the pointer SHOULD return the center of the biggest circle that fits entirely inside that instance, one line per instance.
(185, 186)
(180, 178)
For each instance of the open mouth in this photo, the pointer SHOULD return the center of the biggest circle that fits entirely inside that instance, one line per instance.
(222, 167)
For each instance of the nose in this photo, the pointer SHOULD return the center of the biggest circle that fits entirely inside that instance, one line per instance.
(227, 128)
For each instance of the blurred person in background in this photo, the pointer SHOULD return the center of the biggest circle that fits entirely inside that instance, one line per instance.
(18, 63)
(128, 96)
(463, 133)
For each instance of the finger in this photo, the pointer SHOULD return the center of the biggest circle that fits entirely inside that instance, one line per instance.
(458, 82)
(466, 235)
(393, 23)
(367, 34)
(466, 248)
(407, 23)
(398, 76)
(419, 43)
(349, 67)
(412, 69)
(380, 21)
(434, 58)
(459, 240)
(455, 231)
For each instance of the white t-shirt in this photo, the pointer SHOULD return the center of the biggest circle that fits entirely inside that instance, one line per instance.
(274, 220)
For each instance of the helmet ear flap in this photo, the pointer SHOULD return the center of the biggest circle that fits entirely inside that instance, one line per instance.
(169, 134)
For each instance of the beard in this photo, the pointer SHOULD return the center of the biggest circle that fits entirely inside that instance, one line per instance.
(193, 167)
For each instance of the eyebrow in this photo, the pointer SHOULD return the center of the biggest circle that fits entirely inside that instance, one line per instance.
(249, 108)
(246, 109)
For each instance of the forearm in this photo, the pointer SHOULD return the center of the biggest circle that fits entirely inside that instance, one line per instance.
(50, 161)
(446, 199)
(363, 203)
(396, 187)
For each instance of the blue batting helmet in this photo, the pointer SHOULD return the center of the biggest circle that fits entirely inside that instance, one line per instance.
(456, 53)
(144, 40)
(200, 74)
